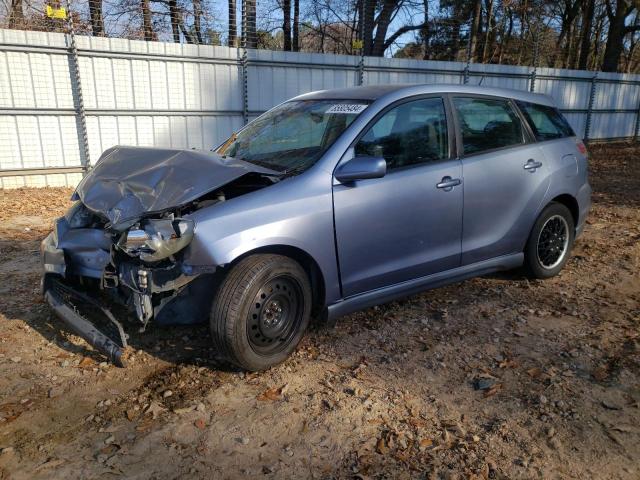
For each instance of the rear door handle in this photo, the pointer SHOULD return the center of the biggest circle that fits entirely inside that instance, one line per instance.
(532, 165)
(447, 183)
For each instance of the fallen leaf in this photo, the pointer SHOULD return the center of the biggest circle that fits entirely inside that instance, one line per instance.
(86, 362)
(600, 373)
(155, 409)
(272, 394)
(381, 447)
(493, 390)
(534, 372)
(51, 463)
(425, 443)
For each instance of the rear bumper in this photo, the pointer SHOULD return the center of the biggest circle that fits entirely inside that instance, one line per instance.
(584, 205)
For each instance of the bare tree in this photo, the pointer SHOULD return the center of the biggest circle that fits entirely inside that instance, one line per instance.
(95, 13)
(233, 24)
(286, 24)
(16, 14)
(585, 33)
(296, 25)
(618, 30)
(249, 27)
(476, 23)
(197, 19)
(147, 25)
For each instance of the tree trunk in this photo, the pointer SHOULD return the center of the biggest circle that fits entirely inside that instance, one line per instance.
(523, 20)
(505, 34)
(175, 20)
(147, 26)
(425, 31)
(368, 15)
(95, 13)
(296, 25)
(487, 35)
(197, 15)
(615, 39)
(383, 21)
(585, 34)
(286, 25)
(475, 29)
(233, 24)
(16, 17)
(251, 38)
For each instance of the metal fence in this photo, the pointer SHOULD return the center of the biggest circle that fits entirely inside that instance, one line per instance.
(63, 100)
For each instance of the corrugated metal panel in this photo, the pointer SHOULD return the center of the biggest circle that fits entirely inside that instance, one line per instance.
(191, 96)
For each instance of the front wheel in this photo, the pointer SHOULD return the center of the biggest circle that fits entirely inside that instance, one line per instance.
(261, 311)
(550, 241)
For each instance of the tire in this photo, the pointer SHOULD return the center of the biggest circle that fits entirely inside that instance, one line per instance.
(550, 242)
(261, 311)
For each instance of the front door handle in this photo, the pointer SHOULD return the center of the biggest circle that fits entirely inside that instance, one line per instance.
(447, 183)
(532, 165)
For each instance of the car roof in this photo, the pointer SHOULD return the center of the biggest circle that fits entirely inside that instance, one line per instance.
(375, 92)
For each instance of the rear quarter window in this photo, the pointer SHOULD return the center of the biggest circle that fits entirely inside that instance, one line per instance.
(547, 123)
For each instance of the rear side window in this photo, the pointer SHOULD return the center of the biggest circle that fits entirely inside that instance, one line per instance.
(487, 124)
(547, 123)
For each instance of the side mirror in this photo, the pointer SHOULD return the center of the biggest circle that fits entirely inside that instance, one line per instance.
(361, 168)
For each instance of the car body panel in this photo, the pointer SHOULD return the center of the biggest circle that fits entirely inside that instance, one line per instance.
(301, 218)
(127, 182)
(398, 227)
(501, 201)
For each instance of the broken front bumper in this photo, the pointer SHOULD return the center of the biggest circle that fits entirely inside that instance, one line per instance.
(75, 258)
(64, 300)
(60, 299)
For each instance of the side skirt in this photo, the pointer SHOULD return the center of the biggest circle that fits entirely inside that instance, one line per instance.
(411, 287)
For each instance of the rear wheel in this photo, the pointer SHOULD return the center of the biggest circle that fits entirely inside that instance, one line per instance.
(261, 311)
(550, 241)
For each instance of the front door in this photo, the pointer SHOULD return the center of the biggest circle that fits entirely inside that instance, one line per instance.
(407, 224)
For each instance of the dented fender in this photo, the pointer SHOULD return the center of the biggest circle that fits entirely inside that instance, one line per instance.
(301, 219)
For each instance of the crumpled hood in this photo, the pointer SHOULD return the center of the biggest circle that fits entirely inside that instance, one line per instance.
(128, 182)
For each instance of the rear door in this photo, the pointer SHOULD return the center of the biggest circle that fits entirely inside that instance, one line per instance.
(554, 136)
(505, 177)
(407, 224)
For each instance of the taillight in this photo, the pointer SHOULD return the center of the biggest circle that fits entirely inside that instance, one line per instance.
(582, 148)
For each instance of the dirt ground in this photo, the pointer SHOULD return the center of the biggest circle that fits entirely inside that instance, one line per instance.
(496, 377)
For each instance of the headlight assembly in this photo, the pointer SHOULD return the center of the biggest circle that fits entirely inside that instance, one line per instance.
(157, 239)
(79, 216)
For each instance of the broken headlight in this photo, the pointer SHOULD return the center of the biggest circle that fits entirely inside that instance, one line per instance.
(157, 239)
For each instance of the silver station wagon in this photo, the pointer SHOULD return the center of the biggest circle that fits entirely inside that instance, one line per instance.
(331, 202)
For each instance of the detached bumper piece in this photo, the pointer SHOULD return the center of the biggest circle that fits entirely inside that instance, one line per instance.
(60, 297)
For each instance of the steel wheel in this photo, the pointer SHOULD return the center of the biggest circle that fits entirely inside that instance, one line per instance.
(275, 315)
(553, 242)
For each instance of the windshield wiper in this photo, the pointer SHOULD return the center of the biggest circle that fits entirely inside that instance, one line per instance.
(261, 163)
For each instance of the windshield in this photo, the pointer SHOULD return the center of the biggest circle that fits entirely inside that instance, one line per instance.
(293, 136)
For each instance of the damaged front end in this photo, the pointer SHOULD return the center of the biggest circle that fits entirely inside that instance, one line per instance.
(119, 251)
(88, 263)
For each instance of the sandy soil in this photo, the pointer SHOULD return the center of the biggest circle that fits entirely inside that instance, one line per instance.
(389, 393)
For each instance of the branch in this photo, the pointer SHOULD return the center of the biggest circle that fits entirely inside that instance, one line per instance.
(401, 31)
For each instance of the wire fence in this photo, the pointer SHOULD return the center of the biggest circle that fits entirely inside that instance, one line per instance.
(82, 86)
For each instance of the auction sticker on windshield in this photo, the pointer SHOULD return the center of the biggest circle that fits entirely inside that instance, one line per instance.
(346, 108)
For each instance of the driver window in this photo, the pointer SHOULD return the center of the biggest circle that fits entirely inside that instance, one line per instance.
(410, 134)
